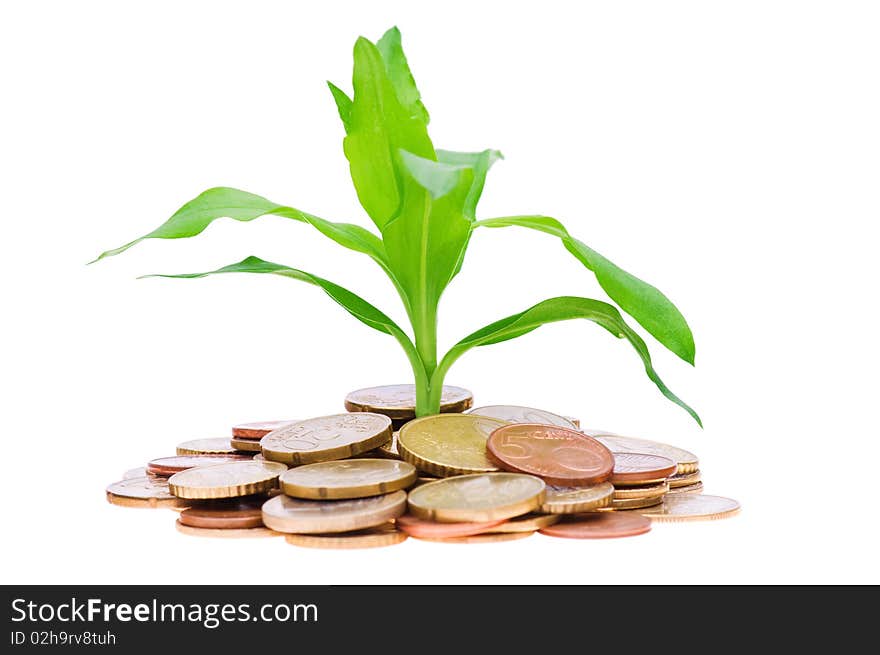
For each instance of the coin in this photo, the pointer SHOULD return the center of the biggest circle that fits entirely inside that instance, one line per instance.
(167, 466)
(257, 430)
(424, 529)
(474, 498)
(684, 479)
(326, 438)
(143, 492)
(656, 490)
(347, 478)
(599, 525)
(692, 507)
(640, 469)
(425, 479)
(634, 503)
(448, 444)
(234, 533)
(377, 537)
(398, 401)
(219, 446)
(246, 445)
(695, 488)
(387, 450)
(518, 414)
(485, 538)
(571, 500)
(560, 456)
(287, 514)
(226, 480)
(240, 513)
(528, 523)
(135, 473)
(687, 461)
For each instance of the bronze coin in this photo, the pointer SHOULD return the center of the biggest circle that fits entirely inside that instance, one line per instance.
(225, 515)
(641, 468)
(560, 456)
(600, 525)
(257, 430)
(398, 401)
(487, 538)
(424, 529)
(168, 466)
(231, 533)
(245, 445)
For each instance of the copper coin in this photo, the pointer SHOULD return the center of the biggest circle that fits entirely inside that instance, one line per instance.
(232, 533)
(225, 515)
(246, 445)
(257, 430)
(378, 537)
(527, 523)
(560, 456)
(168, 466)
(398, 401)
(641, 468)
(424, 529)
(600, 525)
(488, 538)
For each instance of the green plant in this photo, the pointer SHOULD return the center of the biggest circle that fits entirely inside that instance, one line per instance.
(423, 203)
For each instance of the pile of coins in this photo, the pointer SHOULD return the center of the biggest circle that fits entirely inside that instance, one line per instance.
(377, 475)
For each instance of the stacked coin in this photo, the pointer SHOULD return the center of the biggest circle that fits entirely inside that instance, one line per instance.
(491, 474)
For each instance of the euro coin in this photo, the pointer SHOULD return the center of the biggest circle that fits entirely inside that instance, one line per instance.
(519, 414)
(695, 488)
(168, 466)
(147, 491)
(218, 446)
(378, 537)
(572, 500)
(475, 498)
(528, 523)
(286, 514)
(387, 450)
(692, 507)
(686, 460)
(240, 513)
(656, 490)
(235, 533)
(257, 430)
(398, 401)
(684, 479)
(347, 478)
(599, 525)
(245, 445)
(425, 529)
(635, 503)
(326, 438)
(640, 469)
(487, 538)
(448, 444)
(226, 480)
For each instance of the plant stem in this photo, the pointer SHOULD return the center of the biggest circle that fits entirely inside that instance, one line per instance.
(426, 344)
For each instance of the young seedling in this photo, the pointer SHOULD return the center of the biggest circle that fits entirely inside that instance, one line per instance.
(423, 203)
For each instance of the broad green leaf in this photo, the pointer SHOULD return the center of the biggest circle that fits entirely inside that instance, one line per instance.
(351, 302)
(401, 77)
(644, 302)
(436, 178)
(219, 202)
(343, 105)
(379, 128)
(480, 162)
(561, 309)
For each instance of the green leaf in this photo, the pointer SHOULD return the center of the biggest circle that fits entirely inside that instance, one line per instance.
(219, 202)
(644, 302)
(343, 105)
(437, 178)
(480, 162)
(560, 309)
(379, 128)
(351, 302)
(401, 77)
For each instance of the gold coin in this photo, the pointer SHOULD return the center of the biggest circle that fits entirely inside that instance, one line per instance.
(684, 479)
(226, 480)
(398, 401)
(695, 488)
(245, 445)
(219, 446)
(382, 535)
(687, 461)
(571, 500)
(477, 498)
(146, 491)
(448, 444)
(326, 438)
(233, 533)
(135, 473)
(527, 523)
(635, 503)
(642, 491)
(387, 450)
(518, 414)
(692, 507)
(425, 479)
(347, 478)
(287, 514)
(485, 538)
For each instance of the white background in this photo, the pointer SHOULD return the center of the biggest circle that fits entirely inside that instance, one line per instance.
(726, 152)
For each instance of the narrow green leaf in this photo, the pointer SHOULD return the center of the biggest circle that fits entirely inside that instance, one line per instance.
(192, 219)
(401, 77)
(644, 302)
(351, 302)
(437, 178)
(480, 162)
(561, 309)
(343, 105)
